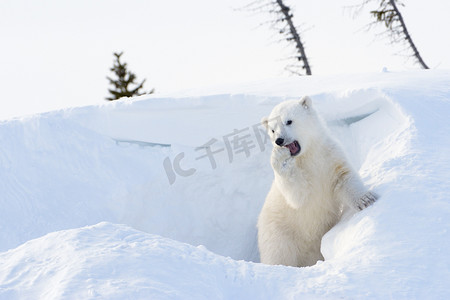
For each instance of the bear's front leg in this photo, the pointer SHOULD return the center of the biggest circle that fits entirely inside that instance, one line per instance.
(351, 190)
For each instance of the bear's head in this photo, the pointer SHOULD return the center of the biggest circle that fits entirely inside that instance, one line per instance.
(291, 124)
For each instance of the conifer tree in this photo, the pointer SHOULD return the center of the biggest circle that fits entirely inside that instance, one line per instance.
(389, 14)
(292, 34)
(125, 79)
(285, 25)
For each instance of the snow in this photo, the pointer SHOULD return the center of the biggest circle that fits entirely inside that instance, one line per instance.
(95, 205)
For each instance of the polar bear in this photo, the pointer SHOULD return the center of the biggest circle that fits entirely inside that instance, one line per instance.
(313, 185)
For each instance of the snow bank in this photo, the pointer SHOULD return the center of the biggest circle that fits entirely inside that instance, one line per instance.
(141, 163)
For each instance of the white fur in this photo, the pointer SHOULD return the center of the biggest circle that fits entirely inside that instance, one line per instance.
(310, 190)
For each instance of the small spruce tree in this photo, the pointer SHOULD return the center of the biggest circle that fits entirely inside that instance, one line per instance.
(284, 23)
(389, 14)
(125, 78)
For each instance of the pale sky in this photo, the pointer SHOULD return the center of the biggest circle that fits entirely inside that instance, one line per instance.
(57, 53)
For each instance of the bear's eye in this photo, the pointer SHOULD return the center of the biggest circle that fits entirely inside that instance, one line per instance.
(273, 131)
(289, 122)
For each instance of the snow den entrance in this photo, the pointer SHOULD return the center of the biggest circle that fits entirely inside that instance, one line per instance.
(218, 207)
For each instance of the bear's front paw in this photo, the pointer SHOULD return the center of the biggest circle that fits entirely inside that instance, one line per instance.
(280, 153)
(366, 200)
(281, 158)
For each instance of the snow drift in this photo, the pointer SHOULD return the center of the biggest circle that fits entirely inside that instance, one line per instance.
(69, 177)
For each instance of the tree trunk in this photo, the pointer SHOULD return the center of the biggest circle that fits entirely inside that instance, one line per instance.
(295, 36)
(407, 36)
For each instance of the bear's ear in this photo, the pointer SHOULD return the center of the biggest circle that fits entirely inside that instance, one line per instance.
(306, 102)
(265, 122)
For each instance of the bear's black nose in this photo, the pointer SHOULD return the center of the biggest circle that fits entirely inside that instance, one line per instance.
(279, 141)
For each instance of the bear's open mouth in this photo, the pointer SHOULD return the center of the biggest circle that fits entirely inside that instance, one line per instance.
(294, 147)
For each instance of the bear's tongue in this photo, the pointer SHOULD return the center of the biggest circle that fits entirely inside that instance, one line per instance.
(294, 147)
